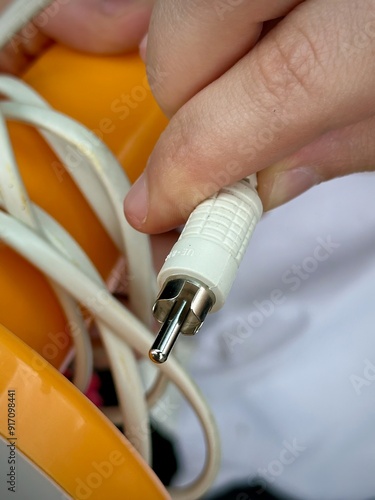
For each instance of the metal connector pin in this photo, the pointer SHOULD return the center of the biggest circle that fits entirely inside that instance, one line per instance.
(181, 307)
(168, 333)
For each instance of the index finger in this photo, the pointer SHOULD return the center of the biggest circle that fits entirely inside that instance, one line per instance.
(193, 42)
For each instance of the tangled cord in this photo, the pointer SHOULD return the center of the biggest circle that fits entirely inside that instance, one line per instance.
(43, 242)
(36, 236)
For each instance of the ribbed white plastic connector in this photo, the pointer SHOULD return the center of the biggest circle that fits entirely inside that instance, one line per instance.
(215, 238)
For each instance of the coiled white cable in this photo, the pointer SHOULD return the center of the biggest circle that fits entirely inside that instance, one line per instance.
(103, 190)
(39, 239)
(16, 201)
(73, 275)
(16, 15)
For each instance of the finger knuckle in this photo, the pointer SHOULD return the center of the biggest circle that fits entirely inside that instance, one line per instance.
(292, 64)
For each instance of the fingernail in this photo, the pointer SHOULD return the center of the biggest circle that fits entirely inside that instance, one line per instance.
(136, 202)
(143, 47)
(290, 184)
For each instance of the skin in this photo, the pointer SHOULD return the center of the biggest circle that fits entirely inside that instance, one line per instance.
(284, 88)
(94, 26)
(99, 26)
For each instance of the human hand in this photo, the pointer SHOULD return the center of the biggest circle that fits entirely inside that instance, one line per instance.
(99, 26)
(296, 104)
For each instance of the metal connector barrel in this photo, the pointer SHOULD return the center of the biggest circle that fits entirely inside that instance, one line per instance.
(181, 306)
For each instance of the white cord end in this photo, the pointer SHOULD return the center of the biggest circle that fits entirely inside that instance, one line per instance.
(208, 253)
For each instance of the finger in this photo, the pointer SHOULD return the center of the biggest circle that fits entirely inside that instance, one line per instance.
(23, 49)
(337, 153)
(12, 62)
(100, 26)
(193, 42)
(294, 86)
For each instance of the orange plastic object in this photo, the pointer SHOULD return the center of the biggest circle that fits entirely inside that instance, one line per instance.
(109, 95)
(64, 434)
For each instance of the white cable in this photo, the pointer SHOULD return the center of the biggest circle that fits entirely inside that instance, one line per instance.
(125, 377)
(88, 183)
(129, 389)
(78, 277)
(88, 176)
(17, 203)
(126, 326)
(142, 281)
(16, 15)
(156, 390)
(124, 367)
(74, 277)
(75, 164)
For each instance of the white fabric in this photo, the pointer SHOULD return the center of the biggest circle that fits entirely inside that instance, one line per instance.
(292, 385)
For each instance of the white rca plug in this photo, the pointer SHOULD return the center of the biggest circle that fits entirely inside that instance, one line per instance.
(199, 272)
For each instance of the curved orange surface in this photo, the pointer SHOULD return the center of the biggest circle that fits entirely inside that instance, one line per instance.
(63, 433)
